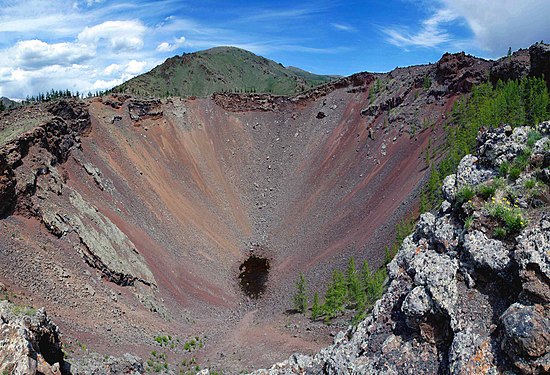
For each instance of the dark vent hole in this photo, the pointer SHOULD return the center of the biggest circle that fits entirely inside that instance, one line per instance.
(253, 276)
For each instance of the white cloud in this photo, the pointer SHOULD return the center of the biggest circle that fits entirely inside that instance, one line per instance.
(167, 47)
(102, 84)
(113, 68)
(495, 25)
(36, 54)
(135, 67)
(119, 35)
(431, 33)
(164, 47)
(343, 27)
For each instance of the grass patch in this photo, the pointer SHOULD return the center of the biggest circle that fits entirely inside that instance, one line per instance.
(465, 194)
(503, 169)
(499, 232)
(20, 310)
(532, 137)
(515, 172)
(510, 216)
(468, 222)
(530, 183)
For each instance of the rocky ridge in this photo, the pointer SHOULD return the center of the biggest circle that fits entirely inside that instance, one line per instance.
(32, 184)
(462, 299)
(30, 343)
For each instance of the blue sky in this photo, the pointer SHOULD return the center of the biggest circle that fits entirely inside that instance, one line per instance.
(95, 44)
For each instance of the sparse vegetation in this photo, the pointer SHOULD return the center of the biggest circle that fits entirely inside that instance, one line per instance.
(158, 360)
(355, 290)
(374, 90)
(499, 232)
(23, 310)
(503, 169)
(465, 194)
(532, 137)
(427, 83)
(516, 102)
(509, 215)
(193, 344)
(468, 222)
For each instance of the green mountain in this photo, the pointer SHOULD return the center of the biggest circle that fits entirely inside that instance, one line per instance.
(6, 103)
(221, 69)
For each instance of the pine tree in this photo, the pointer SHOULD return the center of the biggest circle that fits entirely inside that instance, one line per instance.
(336, 295)
(355, 292)
(316, 310)
(300, 298)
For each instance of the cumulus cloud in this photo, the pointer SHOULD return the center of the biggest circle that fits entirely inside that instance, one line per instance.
(495, 25)
(135, 67)
(167, 47)
(35, 54)
(113, 68)
(119, 35)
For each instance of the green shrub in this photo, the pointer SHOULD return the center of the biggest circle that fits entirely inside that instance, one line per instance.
(468, 222)
(427, 83)
(335, 297)
(532, 137)
(356, 293)
(530, 183)
(499, 232)
(465, 194)
(503, 169)
(522, 160)
(510, 216)
(515, 172)
(486, 191)
(316, 310)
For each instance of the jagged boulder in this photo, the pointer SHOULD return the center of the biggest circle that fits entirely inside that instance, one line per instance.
(486, 253)
(527, 337)
(29, 342)
(540, 61)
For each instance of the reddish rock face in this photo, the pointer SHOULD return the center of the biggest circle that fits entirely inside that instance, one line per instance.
(460, 72)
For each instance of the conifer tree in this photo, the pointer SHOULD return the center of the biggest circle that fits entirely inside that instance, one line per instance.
(316, 310)
(300, 298)
(355, 291)
(336, 295)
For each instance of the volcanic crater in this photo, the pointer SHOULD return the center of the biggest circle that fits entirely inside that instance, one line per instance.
(145, 225)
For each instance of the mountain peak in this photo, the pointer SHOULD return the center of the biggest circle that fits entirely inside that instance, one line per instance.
(221, 69)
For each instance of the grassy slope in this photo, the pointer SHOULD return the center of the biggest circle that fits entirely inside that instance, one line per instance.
(220, 69)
